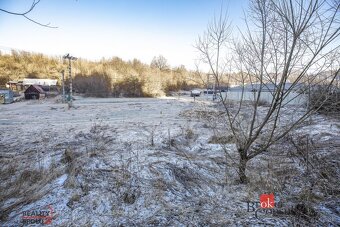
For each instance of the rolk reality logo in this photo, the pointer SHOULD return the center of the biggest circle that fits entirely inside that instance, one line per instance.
(38, 216)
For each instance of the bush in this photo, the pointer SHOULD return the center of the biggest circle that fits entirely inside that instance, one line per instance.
(96, 85)
(4, 80)
(129, 87)
(325, 100)
(169, 86)
(263, 102)
(221, 139)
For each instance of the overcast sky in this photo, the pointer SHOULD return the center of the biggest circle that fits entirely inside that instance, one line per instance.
(127, 29)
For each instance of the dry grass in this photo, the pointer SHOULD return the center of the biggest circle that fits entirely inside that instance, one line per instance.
(160, 184)
(221, 139)
(74, 198)
(262, 102)
(208, 115)
(26, 186)
(26, 180)
(325, 101)
(189, 134)
(73, 165)
(150, 134)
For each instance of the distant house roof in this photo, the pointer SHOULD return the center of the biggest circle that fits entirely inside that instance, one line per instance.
(266, 87)
(34, 88)
(46, 82)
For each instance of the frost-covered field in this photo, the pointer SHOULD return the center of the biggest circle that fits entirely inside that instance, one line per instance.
(155, 162)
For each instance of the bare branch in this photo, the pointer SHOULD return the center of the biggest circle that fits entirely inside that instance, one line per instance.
(24, 14)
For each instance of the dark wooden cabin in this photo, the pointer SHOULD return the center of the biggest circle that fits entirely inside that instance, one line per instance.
(34, 92)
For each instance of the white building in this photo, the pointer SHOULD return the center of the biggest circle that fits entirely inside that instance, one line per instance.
(43, 82)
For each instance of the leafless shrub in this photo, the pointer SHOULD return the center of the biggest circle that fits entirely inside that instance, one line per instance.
(189, 134)
(96, 84)
(150, 134)
(324, 100)
(160, 62)
(207, 115)
(129, 198)
(31, 176)
(129, 87)
(307, 195)
(305, 211)
(320, 169)
(71, 181)
(263, 57)
(175, 86)
(160, 184)
(68, 156)
(126, 175)
(74, 198)
(74, 164)
(186, 176)
(7, 171)
(99, 140)
(266, 180)
(283, 175)
(262, 102)
(215, 139)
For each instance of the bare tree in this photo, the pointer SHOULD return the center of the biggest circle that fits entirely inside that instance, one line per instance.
(286, 43)
(160, 62)
(25, 14)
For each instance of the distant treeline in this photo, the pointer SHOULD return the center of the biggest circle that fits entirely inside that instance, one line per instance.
(104, 78)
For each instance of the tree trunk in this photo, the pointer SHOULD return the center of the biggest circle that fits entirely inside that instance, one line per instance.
(242, 166)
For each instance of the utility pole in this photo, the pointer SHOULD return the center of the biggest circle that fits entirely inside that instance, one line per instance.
(69, 57)
(63, 85)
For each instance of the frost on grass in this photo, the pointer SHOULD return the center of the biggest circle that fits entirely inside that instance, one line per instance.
(167, 162)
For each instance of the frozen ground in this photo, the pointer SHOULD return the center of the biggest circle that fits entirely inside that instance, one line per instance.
(152, 162)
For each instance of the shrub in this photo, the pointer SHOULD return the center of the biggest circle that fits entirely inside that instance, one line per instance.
(169, 86)
(129, 87)
(96, 84)
(263, 102)
(325, 100)
(221, 139)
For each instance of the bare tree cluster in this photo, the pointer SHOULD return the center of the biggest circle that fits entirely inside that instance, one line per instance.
(288, 45)
(160, 63)
(96, 84)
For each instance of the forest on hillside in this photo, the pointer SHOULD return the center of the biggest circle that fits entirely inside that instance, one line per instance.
(107, 77)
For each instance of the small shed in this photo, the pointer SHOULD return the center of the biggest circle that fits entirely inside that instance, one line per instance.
(6, 96)
(34, 92)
